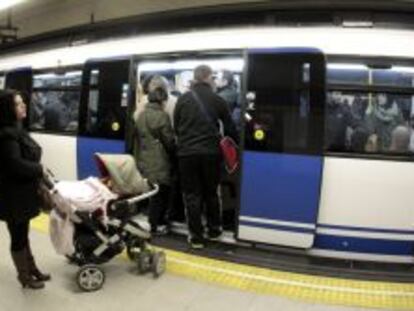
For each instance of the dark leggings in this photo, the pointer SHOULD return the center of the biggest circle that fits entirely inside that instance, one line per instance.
(19, 235)
(158, 207)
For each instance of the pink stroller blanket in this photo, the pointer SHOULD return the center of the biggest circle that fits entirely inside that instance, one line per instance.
(86, 196)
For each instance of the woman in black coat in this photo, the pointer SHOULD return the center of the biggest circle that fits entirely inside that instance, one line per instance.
(20, 172)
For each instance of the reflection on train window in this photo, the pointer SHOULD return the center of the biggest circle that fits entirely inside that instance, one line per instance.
(93, 79)
(107, 99)
(55, 102)
(2, 82)
(369, 123)
(358, 74)
(353, 74)
(278, 112)
(179, 75)
(51, 80)
(364, 122)
(93, 100)
(395, 76)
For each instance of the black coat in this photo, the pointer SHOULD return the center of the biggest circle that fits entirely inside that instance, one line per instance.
(196, 133)
(20, 173)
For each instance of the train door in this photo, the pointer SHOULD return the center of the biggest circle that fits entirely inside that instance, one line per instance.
(21, 80)
(177, 70)
(104, 104)
(282, 157)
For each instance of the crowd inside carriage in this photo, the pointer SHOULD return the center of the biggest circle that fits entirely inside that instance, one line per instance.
(374, 123)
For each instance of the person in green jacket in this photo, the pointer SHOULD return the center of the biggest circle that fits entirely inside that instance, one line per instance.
(156, 144)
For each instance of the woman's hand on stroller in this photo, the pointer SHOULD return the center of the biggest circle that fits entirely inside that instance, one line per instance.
(48, 178)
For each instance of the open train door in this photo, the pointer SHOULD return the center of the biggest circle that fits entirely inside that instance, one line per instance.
(283, 142)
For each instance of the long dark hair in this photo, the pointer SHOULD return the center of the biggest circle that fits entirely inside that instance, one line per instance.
(8, 108)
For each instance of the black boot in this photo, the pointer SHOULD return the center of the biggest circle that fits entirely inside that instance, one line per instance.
(34, 271)
(22, 267)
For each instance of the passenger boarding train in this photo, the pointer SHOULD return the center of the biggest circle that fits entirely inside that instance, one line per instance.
(326, 132)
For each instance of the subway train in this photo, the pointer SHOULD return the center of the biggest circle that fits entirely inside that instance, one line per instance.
(325, 117)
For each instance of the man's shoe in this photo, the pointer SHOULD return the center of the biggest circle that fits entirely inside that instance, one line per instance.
(215, 235)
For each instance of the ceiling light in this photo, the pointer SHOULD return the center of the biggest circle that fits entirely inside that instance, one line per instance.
(5, 4)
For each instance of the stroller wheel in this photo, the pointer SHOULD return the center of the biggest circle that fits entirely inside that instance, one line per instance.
(144, 261)
(90, 278)
(159, 264)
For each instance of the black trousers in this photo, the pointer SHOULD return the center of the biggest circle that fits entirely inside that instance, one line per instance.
(19, 235)
(200, 177)
(158, 207)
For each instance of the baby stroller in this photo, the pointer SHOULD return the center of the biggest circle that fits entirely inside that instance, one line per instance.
(91, 221)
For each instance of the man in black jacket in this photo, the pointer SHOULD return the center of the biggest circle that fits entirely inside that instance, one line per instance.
(197, 116)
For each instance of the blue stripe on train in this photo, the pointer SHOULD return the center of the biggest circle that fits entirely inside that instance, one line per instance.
(87, 147)
(364, 229)
(276, 227)
(363, 245)
(343, 243)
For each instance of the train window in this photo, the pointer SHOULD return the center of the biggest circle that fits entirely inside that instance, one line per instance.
(362, 121)
(105, 99)
(179, 75)
(279, 112)
(55, 101)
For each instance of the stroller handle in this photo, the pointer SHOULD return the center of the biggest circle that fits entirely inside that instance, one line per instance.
(154, 190)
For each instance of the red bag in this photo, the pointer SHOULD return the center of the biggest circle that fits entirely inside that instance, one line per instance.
(230, 154)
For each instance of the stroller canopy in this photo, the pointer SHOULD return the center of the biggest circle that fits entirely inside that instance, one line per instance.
(123, 172)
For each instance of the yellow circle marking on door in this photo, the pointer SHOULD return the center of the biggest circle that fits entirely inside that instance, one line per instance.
(259, 134)
(115, 126)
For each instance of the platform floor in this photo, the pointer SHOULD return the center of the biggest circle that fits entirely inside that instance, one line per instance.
(124, 290)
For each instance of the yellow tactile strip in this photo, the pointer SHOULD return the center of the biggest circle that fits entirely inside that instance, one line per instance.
(383, 295)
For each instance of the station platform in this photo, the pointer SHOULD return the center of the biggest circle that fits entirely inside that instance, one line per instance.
(193, 282)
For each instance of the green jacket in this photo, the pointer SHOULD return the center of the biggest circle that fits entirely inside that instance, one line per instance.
(155, 144)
